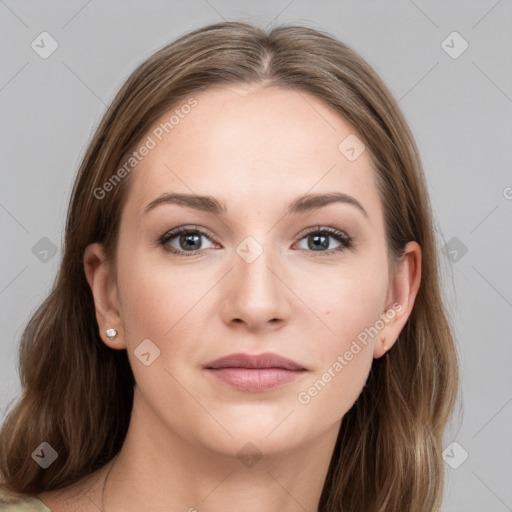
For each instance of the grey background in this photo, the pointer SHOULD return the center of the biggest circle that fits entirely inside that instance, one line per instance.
(459, 110)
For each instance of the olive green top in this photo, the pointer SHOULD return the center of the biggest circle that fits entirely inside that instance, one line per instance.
(30, 504)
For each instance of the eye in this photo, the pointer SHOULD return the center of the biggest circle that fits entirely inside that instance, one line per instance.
(318, 239)
(188, 240)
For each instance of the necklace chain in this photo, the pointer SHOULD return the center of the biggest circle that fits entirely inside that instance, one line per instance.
(105, 484)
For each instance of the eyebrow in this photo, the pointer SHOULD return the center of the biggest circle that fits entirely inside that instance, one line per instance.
(209, 204)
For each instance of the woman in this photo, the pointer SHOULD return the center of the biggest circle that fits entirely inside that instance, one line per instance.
(248, 310)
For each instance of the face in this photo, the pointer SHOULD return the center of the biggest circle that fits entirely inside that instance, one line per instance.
(252, 277)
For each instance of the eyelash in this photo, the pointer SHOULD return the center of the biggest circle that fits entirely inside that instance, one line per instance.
(345, 240)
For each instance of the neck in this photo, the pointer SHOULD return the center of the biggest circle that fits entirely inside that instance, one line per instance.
(156, 465)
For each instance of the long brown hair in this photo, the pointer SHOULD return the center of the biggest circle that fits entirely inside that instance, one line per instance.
(78, 393)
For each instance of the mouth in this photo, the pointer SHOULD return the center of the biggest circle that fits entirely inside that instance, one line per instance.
(255, 373)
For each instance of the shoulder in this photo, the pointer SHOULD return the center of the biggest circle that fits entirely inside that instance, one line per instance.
(28, 504)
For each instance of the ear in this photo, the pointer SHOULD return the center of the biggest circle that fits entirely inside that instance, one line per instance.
(104, 289)
(404, 286)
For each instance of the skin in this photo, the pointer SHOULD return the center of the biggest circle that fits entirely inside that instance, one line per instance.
(256, 150)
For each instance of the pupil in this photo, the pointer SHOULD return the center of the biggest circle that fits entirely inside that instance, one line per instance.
(316, 243)
(187, 239)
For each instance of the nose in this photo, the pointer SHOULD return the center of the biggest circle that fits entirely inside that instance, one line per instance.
(256, 294)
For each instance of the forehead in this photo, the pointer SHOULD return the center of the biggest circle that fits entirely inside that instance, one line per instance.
(252, 148)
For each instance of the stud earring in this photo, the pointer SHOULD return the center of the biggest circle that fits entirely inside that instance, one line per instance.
(384, 341)
(111, 333)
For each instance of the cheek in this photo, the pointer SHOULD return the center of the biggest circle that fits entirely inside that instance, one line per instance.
(161, 304)
(332, 391)
(347, 300)
(156, 297)
(351, 307)
(360, 302)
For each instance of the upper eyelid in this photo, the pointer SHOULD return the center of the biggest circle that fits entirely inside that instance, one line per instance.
(331, 231)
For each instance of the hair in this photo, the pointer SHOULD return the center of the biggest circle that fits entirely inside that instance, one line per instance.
(78, 393)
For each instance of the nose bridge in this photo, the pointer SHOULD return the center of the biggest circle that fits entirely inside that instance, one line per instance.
(258, 293)
(253, 264)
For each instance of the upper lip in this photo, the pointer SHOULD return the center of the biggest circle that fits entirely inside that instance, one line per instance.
(266, 360)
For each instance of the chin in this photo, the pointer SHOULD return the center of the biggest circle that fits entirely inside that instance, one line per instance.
(271, 434)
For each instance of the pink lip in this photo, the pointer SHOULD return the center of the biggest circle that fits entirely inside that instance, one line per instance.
(255, 373)
(265, 360)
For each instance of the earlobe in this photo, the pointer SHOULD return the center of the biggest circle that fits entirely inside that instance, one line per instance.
(404, 289)
(104, 291)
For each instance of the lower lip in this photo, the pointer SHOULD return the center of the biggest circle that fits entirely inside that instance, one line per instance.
(255, 379)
